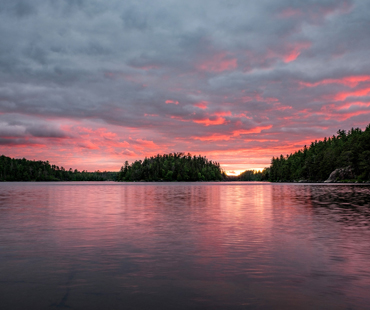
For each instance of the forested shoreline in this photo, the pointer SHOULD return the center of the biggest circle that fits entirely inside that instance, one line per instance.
(12, 169)
(342, 157)
(168, 167)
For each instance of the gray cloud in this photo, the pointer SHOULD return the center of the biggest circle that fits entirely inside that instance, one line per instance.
(15, 129)
(116, 63)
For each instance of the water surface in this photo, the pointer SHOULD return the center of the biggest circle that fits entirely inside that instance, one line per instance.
(103, 245)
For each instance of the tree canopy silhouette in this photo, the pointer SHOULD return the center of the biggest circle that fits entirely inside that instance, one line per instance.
(12, 169)
(171, 167)
(315, 163)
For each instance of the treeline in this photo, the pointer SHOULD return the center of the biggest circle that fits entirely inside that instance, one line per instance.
(172, 167)
(349, 150)
(28, 170)
(346, 152)
(253, 175)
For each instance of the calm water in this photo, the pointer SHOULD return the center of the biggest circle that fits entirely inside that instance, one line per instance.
(184, 246)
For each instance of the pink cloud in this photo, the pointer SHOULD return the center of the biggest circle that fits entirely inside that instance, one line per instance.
(210, 121)
(349, 105)
(128, 152)
(214, 137)
(289, 12)
(348, 115)
(142, 144)
(213, 119)
(283, 108)
(249, 131)
(218, 63)
(285, 51)
(350, 81)
(234, 133)
(357, 93)
(201, 105)
(294, 50)
(344, 111)
(88, 145)
(223, 113)
(171, 102)
(179, 118)
(316, 13)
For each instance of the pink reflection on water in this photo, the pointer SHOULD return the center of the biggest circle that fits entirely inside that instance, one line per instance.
(194, 244)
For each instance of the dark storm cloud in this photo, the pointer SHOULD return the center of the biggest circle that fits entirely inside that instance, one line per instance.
(199, 68)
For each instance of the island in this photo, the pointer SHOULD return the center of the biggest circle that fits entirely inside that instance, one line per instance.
(172, 167)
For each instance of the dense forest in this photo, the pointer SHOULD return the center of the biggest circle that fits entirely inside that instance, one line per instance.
(172, 167)
(253, 175)
(348, 152)
(28, 170)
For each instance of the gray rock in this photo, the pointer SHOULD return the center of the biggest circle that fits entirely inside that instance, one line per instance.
(340, 174)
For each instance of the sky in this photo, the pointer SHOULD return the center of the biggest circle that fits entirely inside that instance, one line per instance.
(91, 84)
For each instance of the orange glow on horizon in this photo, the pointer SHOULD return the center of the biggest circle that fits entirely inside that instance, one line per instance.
(237, 172)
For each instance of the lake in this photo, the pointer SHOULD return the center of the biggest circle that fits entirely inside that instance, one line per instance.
(235, 245)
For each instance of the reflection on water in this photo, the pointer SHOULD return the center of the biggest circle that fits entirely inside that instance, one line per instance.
(184, 246)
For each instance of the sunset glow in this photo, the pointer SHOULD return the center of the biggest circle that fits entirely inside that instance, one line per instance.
(100, 83)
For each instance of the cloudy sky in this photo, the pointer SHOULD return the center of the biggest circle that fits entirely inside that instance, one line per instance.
(90, 84)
